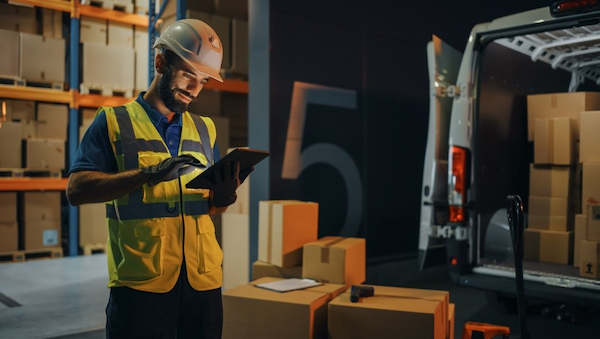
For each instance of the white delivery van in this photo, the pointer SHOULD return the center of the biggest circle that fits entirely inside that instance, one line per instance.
(478, 149)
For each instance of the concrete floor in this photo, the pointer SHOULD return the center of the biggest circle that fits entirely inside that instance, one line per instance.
(65, 299)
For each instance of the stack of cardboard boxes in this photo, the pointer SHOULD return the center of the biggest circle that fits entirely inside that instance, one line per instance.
(562, 177)
(289, 247)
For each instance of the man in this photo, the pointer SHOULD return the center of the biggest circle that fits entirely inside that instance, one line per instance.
(164, 261)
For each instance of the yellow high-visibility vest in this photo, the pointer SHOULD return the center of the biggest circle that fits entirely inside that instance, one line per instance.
(152, 229)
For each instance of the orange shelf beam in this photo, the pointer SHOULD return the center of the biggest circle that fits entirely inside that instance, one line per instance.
(58, 5)
(228, 85)
(96, 100)
(34, 93)
(112, 15)
(33, 184)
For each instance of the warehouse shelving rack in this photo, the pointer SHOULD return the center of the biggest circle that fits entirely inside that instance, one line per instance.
(76, 100)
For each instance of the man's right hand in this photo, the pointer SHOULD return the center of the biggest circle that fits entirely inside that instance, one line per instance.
(171, 168)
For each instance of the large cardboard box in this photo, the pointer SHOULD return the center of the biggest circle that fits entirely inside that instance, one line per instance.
(542, 143)
(589, 138)
(40, 234)
(558, 105)
(42, 59)
(45, 154)
(18, 18)
(261, 269)
(52, 23)
(550, 213)
(551, 181)
(548, 246)
(28, 129)
(252, 312)
(579, 235)
(284, 226)
(108, 66)
(590, 186)
(593, 222)
(9, 55)
(120, 34)
(239, 46)
(235, 233)
(10, 139)
(589, 259)
(92, 224)
(93, 30)
(142, 56)
(52, 121)
(9, 236)
(451, 317)
(8, 207)
(221, 25)
(41, 206)
(335, 260)
(392, 313)
(554, 141)
(20, 110)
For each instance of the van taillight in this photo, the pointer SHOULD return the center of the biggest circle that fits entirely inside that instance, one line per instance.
(570, 7)
(458, 184)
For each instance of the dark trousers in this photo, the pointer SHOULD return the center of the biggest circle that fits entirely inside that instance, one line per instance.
(181, 313)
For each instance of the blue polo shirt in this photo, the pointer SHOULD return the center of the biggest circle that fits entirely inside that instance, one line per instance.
(95, 150)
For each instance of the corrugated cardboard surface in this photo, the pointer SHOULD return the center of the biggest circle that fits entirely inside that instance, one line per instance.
(93, 30)
(10, 139)
(8, 207)
(261, 269)
(548, 246)
(20, 110)
(548, 206)
(542, 143)
(284, 226)
(579, 235)
(590, 186)
(593, 222)
(563, 142)
(560, 105)
(18, 18)
(388, 314)
(42, 59)
(451, 316)
(92, 224)
(9, 236)
(9, 54)
(120, 34)
(252, 312)
(110, 66)
(52, 121)
(45, 154)
(550, 181)
(235, 230)
(590, 263)
(41, 206)
(42, 234)
(590, 138)
(335, 260)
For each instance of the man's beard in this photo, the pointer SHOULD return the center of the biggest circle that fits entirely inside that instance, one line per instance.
(167, 94)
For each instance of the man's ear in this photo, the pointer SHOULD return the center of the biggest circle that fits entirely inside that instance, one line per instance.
(160, 63)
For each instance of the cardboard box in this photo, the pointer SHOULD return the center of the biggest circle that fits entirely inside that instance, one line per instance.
(9, 236)
(551, 181)
(93, 30)
(10, 139)
(542, 143)
(589, 138)
(564, 144)
(42, 59)
(335, 260)
(45, 154)
(52, 121)
(558, 105)
(8, 207)
(261, 269)
(239, 46)
(593, 222)
(221, 25)
(590, 264)
(579, 235)
(252, 312)
(548, 206)
(18, 18)
(140, 42)
(28, 129)
(451, 317)
(52, 23)
(20, 110)
(92, 224)
(284, 226)
(208, 103)
(120, 35)
(108, 66)
(40, 234)
(590, 186)
(9, 55)
(41, 206)
(548, 246)
(235, 230)
(550, 222)
(393, 313)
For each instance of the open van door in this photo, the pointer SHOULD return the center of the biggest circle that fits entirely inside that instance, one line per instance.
(443, 63)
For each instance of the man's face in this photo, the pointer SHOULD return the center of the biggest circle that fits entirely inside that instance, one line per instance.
(180, 85)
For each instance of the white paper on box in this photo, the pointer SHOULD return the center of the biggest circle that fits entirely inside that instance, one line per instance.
(50, 237)
(52, 121)
(9, 54)
(42, 59)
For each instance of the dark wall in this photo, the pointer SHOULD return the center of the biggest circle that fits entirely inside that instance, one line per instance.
(378, 49)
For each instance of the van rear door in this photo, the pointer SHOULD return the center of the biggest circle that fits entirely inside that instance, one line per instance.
(443, 63)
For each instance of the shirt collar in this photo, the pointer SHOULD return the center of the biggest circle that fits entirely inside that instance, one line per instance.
(155, 116)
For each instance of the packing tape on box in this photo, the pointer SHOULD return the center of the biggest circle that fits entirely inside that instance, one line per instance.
(325, 249)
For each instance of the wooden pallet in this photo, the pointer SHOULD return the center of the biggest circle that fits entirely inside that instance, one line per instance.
(56, 85)
(109, 4)
(32, 173)
(43, 253)
(89, 249)
(105, 90)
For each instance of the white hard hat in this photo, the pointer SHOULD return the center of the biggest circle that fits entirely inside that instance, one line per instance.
(195, 42)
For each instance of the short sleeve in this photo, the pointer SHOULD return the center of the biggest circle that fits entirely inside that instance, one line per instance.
(95, 151)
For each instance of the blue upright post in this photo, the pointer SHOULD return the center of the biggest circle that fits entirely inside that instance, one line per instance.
(73, 129)
(181, 9)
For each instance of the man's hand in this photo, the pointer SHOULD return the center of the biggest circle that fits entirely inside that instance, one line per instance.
(226, 183)
(171, 168)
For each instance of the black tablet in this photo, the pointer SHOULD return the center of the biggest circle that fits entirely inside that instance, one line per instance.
(247, 158)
